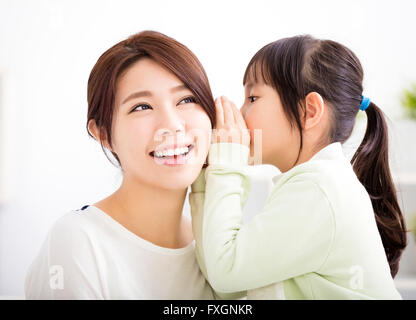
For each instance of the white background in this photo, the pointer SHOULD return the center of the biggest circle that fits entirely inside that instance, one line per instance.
(49, 165)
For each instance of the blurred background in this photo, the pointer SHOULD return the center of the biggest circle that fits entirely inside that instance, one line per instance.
(48, 163)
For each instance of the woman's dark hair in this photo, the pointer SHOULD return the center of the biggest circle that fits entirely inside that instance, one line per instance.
(299, 65)
(164, 50)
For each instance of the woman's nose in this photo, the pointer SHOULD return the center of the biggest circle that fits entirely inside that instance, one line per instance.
(171, 124)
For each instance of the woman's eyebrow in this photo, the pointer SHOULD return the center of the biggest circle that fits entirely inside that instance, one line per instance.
(137, 94)
(179, 88)
(147, 93)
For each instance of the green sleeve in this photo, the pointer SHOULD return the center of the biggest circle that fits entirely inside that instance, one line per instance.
(196, 201)
(291, 236)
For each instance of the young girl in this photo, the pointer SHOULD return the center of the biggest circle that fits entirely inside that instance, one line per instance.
(329, 229)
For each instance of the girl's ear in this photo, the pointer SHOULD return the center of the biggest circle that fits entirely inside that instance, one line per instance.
(314, 110)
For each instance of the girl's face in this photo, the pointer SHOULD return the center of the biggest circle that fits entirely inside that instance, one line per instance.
(160, 134)
(262, 109)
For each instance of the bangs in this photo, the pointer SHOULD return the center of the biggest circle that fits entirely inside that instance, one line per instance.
(258, 70)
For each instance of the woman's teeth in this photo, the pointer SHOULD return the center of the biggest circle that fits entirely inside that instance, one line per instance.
(171, 152)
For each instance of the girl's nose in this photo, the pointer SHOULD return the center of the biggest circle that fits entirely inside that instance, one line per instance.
(243, 111)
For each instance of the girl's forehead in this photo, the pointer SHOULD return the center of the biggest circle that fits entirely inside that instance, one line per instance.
(258, 74)
(254, 84)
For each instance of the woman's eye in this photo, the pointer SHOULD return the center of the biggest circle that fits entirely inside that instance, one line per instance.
(189, 99)
(141, 107)
(250, 98)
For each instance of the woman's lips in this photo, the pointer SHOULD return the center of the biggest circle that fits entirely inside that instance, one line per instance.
(175, 159)
(172, 147)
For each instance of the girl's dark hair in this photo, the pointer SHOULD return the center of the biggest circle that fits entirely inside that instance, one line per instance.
(164, 50)
(299, 65)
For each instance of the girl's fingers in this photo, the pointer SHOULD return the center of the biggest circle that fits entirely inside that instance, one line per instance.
(238, 117)
(242, 126)
(228, 112)
(220, 113)
(230, 123)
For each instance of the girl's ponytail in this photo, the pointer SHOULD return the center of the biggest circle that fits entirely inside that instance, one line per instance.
(371, 165)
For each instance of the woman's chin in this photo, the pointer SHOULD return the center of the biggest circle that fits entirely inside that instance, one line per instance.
(176, 183)
(176, 179)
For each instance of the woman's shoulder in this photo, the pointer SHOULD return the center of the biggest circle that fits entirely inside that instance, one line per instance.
(73, 229)
(67, 249)
(74, 220)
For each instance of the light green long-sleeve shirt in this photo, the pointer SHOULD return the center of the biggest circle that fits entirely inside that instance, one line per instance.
(316, 237)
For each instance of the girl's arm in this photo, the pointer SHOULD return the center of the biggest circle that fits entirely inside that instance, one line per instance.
(196, 201)
(291, 236)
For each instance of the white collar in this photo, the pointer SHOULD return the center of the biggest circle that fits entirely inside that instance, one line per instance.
(331, 151)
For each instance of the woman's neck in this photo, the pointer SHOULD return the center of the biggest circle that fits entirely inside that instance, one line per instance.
(151, 213)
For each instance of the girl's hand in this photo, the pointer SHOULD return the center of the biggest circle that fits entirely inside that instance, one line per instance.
(230, 125)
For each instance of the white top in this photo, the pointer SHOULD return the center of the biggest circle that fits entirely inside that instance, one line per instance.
(89, 255)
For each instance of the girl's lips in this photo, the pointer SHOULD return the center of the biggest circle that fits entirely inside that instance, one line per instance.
(174, 160)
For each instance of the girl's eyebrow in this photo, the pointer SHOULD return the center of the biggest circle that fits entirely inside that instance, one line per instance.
(147, 93)
(249, 85)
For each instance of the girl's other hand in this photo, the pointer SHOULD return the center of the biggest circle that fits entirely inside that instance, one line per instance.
(230, 125)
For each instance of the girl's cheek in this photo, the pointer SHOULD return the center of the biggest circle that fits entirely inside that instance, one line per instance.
(245, 111)
(253, 120)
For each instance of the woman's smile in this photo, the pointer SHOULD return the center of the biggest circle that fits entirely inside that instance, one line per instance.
(173, 156)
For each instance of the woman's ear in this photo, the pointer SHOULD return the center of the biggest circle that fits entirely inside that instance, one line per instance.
(314, 110)
(95, 131)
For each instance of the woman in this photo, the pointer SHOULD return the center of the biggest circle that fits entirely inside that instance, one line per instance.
(150, 105)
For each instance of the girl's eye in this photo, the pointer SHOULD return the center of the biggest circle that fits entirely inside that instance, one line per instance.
(189, 99)
(250, 98)
(141, 107)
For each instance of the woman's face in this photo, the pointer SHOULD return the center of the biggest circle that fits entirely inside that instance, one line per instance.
(263, 110)
(160, 134)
